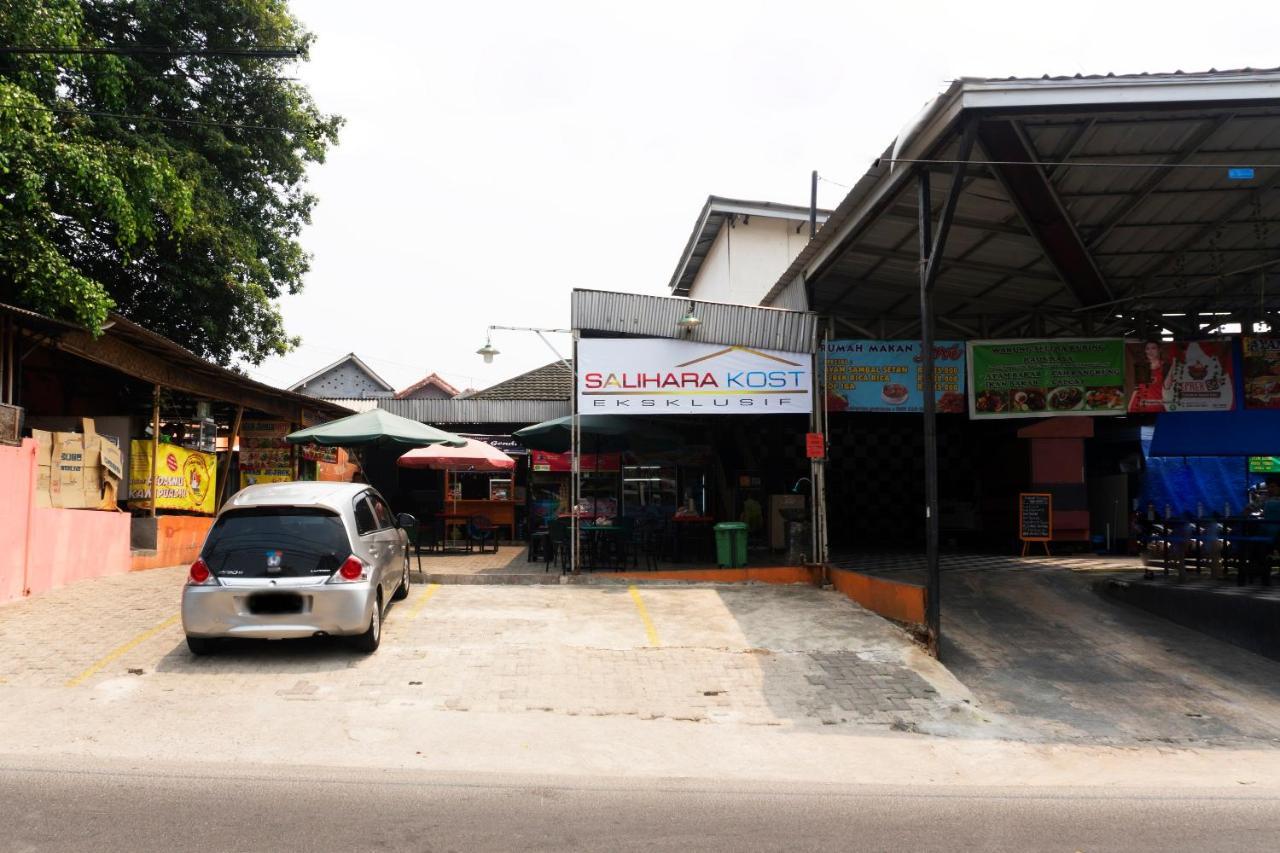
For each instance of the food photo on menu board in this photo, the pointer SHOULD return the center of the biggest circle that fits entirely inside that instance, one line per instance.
(1179, 376)
(1039, 378)
(885, 376)
(1261, 370)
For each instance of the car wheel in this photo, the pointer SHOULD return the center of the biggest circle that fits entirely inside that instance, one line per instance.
(369, 640)
(402, 591)
(200, 646)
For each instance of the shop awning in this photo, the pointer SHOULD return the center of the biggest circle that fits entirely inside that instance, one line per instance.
(599, 434)
(472, 456)
(374, 427)
(1243, 432)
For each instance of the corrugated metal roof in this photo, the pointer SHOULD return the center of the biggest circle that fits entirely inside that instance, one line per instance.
(465, 410)
(1164, 233)
(710, 220)
(640, 315)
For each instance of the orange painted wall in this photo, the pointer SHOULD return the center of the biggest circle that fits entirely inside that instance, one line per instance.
(902, 602)
(778, 575)
(178, 542)
(49, 548)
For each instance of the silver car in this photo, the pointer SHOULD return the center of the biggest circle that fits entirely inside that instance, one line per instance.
(297, 559)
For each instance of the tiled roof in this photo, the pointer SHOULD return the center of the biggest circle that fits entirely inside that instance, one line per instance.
(430, 379)
(550, 382)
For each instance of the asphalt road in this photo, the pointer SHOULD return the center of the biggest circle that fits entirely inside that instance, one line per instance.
(103, 807)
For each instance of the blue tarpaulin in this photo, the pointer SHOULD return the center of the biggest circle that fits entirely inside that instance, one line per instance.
(1188, 483)
(1240, 432)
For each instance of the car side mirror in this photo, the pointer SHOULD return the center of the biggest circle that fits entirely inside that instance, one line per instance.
(407, 521)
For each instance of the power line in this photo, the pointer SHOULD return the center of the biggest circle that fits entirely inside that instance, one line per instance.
(131, 117)
(275, 52)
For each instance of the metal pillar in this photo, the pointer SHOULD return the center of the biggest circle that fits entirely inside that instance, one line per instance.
(575, 491)
(813, 204)
(932, 247)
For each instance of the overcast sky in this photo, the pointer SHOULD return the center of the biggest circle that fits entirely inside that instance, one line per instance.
(497, 155)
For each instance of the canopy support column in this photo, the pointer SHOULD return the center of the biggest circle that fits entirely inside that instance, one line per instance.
(155, 447)
(932, 247)
(223, 483)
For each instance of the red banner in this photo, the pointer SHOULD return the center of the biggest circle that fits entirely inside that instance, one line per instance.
(562, 462)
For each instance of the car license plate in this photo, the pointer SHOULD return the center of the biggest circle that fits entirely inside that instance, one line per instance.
(275, 602)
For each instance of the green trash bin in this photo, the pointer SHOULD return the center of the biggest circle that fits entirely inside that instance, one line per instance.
(731, 544)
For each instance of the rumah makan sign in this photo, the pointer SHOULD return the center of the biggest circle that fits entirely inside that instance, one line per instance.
(657, 376)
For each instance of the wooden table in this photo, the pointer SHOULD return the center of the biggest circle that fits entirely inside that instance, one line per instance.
(447, 520)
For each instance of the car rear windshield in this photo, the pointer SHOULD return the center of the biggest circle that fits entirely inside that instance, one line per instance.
(276, 542)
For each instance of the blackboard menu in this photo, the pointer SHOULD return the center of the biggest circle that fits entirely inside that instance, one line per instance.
(1035, 516)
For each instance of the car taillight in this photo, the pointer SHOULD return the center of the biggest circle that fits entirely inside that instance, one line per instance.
(351, 570)
(200, 573)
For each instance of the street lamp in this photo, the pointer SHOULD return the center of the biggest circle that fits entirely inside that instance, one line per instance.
(488, 351)
(689, 321)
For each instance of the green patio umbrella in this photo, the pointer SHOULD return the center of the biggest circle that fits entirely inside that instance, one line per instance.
(600, 434)
(373, 428)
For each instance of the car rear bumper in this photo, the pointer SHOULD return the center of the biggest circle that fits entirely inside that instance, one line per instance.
(221, 611)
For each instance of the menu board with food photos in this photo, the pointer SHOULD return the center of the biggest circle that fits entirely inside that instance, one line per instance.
(1261, 369)
(265, 457)
(885, 376)
(1180, 376)
(1041, 378)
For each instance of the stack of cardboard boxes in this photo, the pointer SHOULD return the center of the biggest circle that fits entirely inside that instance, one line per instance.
(77, 470)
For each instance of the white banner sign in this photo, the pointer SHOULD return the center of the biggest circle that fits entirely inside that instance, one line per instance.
(657, 376)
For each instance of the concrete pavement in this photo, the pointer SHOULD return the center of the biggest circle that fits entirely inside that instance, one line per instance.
(789, 685)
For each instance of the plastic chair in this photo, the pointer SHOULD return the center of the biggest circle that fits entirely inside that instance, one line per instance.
(480, 530)
(539, 545)
(409, 524)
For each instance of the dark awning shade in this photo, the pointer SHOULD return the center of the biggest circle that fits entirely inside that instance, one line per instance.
(1243, 432)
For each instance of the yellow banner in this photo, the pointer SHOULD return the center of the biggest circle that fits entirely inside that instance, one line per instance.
(184, 479)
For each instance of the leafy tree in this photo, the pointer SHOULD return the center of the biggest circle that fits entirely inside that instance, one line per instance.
(165, 181)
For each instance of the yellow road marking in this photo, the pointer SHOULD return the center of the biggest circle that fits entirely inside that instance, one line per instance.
(422, 602)
(120, 650)
(644, 616)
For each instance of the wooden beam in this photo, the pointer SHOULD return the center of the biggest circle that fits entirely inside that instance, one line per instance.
(138, 363)
(155, 448)
(232, 437)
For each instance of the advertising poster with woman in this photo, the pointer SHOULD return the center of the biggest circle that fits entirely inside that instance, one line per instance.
(1178, 376)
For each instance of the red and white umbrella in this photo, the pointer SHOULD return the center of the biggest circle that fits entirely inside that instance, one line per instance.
(472, 456)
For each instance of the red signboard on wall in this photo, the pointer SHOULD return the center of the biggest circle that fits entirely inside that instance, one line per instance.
(563, 462)
(814, 445)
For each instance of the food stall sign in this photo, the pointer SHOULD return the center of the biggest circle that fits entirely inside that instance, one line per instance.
(1035, 519)
(1042, 378)
(885, 376)
(660, 376)
(185, 479)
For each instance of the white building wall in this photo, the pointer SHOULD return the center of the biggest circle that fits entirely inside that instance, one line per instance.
(747, 258)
